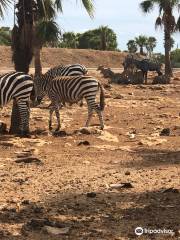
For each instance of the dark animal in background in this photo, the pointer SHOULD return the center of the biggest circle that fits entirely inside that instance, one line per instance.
(144, 65)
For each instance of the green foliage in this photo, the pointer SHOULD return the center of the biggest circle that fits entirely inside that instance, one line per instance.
(102, 38)
(132, 46)
(5, 36)
(175, 58)
(143, 42)
(69, 40)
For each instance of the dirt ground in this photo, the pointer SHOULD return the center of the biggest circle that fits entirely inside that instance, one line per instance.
(96, 185)
(55, 56)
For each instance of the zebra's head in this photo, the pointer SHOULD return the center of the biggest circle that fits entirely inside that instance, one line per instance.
(40, 88)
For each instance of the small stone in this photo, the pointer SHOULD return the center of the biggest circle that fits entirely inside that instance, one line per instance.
(85, 131)
(29, 160)
(127, 173)
(85, 143)
(165, 132)
(91, 195)
(170, 190)
(56, 231)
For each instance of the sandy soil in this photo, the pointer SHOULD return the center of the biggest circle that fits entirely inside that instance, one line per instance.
(64, 184)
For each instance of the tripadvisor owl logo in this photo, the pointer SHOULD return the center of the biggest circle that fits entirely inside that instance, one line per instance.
(139, 231)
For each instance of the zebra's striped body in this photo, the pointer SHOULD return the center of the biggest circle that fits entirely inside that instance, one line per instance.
(71, 90)
(18, 86)
(67, 70)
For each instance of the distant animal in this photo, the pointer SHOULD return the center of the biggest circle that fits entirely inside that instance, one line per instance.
(144, 65)
(71, 89)
(64, 70)
(107, 72)
(17, 86)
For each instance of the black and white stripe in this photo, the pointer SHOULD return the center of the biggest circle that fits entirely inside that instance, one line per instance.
(67, 70)
(18, 86)
(71, 89)
(64, 70)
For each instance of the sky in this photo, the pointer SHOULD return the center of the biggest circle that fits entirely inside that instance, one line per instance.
(124, 17)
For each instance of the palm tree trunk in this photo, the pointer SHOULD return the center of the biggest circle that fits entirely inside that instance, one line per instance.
(167, 45)
(37, 60)
(22, 50)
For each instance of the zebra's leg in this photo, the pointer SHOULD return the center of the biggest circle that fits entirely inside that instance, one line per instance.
(146, 78)
(90, 113)
(24, 113)
(99, 113)
(58, 118)
(50, 117)
(92, 105)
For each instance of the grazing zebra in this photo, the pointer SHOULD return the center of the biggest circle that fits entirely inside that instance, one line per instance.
(17, 86)
(71, 89)
(67, 70)
(144, 65)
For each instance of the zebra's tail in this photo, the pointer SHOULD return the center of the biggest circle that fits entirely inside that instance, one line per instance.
(102, 97)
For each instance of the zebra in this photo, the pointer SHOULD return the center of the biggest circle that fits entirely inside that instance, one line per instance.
(64, 70)
(17, 86)
(71, 89)
(144, 65)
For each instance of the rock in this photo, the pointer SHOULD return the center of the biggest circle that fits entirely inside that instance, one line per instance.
(119, 96)
(29, 160)
(86, 143)
(121, 185)
(127, 173)
(91, 195)
(59, 133)
(56, 231)
(165, 132)
(85, 131)
(170, 190)
(35, 224)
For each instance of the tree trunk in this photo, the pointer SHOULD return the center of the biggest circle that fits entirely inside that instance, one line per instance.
(167, 46)
(37, 61)
(22, 36)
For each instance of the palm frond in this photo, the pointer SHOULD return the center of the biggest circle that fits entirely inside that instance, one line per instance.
(158, 22)
(89, 6)
(47, 31)
(3, 6)
(178, 25)
(147, 6)
(58, 4)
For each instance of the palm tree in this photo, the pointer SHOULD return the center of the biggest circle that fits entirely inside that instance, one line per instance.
(150, 45)
(22, 38)
(141, 42)
(3, 6)
(132, 46)
(166, 20)
(45, 30)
